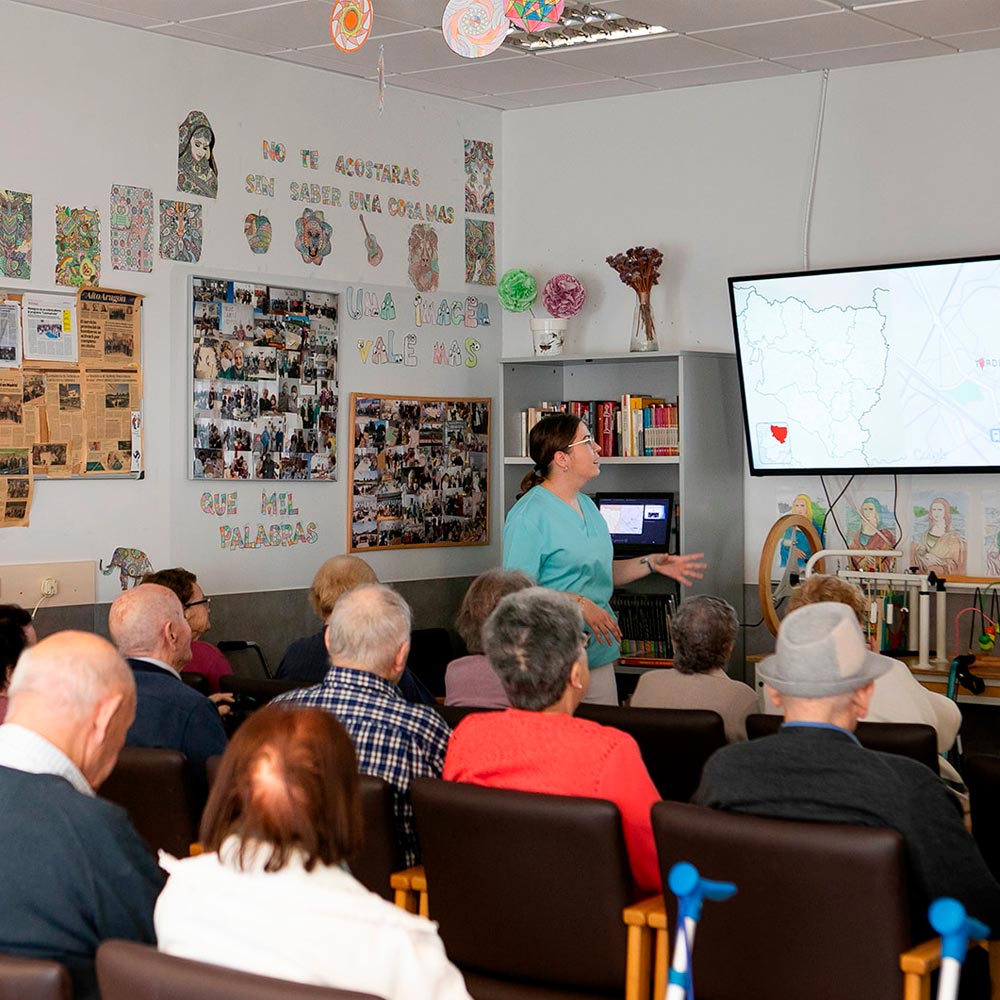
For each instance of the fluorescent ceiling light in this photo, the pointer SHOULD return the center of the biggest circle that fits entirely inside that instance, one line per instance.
(582, 24)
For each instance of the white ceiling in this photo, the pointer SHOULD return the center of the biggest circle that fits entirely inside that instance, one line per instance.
(709, 41)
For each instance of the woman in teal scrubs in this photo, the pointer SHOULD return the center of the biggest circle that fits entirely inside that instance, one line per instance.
(556, 535)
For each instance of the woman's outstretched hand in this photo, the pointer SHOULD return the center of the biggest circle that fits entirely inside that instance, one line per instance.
(683, 569)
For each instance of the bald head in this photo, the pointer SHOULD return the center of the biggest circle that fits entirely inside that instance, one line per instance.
(149, 621)
(76, 691)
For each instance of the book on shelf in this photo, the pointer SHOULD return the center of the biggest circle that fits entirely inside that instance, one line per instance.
(644, 620)
(635, 425)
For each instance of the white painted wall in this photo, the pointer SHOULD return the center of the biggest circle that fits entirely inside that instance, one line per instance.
(717, 177)
(91, 104)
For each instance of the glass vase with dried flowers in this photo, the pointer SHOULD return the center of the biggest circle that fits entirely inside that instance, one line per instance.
(639, 268)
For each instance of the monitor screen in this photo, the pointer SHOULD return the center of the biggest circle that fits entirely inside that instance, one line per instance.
(638, 522)
(894, 368)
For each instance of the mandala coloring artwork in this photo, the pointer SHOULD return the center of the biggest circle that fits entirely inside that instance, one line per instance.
(131, 228)
(422, 247)
(312, 236)
(15, 234)
(479, 197)
(474, 28)
(480, 253)
(78, 246)
(257, 229)
(180, 231)
(534, 15)
(350, 24)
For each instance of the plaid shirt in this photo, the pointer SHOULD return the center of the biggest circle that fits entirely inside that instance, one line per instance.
(395, 740)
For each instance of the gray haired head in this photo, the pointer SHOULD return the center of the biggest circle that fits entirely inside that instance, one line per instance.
(532, 640)
(367, 626)
(703, 631)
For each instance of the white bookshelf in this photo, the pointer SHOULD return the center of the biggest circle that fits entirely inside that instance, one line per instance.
(706, 478)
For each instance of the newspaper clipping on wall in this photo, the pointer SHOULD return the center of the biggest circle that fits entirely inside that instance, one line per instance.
(109, 328)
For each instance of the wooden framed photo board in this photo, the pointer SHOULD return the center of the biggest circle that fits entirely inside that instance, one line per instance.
(419, 472)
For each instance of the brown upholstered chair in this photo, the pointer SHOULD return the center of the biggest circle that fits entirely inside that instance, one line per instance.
(130, 971)
(982, 776)
(154, 787)
(380, 855)
(908, 739)
(821, 910)
(674, 742)
(453, 714)
(529, 892)
(33, 979)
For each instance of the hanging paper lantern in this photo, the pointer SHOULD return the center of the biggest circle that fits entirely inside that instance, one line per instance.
(350, 24)
(534, 15)
(474, 28)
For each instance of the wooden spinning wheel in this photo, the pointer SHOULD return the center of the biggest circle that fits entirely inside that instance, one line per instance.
(771, 594)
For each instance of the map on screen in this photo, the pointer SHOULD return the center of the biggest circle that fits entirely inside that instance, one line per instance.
(893, 368)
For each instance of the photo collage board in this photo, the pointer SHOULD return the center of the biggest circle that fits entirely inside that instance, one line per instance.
(264, 361)
(419, 472)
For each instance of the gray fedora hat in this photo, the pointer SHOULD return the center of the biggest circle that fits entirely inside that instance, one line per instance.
(821, 652)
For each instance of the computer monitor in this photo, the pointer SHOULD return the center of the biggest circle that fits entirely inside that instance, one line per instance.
(639, 522)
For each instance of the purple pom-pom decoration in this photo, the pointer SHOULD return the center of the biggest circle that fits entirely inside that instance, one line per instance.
(563, 296)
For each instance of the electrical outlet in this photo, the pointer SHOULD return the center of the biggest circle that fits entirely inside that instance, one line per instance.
(71, 583)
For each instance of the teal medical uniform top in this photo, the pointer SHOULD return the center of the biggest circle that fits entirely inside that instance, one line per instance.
(547, 539)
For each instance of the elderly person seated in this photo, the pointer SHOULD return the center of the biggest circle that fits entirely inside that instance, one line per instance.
(205, 658)
(898, 696)
(274, 896)
(703, 632)
(17, 633)
(470, 680)
(307, 659)
(535, 642)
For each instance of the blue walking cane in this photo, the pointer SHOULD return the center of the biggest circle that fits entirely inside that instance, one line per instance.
(948, 918)
(691, 891)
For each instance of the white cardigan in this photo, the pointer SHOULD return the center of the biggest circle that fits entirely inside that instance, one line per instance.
(321, 927)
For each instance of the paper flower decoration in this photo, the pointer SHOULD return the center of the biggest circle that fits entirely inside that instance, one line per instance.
(563, 296)
(350, 24)
(517, 290)
(534, 15)
(474, 28)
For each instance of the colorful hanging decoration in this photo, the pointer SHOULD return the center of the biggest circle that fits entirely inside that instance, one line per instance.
(350, 24)
(474, 28)
(381, 79)
(534, 15)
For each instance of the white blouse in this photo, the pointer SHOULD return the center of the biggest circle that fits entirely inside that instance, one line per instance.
(321, 927)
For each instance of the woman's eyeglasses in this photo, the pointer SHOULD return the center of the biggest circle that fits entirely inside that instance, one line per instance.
(586, 636)
(207, 601)
(589, 439)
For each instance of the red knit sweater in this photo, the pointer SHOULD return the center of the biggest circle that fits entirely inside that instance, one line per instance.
(561, 755)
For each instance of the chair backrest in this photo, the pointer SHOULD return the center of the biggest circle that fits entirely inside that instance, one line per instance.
(674, 742)
(453, 714)
(154, 786)
(526, 888)
(33, 979)
(908, 739)
(982, 776)
(821, 910)
(197, 681)
(380, 855)
(130, 971)
(431, 650)
(245, 657)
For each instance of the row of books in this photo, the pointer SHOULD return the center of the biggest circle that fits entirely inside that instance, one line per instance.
(635, 425)
(645, 623)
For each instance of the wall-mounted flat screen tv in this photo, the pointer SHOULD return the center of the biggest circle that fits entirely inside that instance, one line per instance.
(894, 368)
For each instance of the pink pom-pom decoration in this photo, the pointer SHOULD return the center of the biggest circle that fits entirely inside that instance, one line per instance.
(563, 296)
